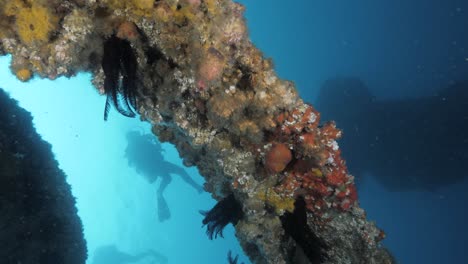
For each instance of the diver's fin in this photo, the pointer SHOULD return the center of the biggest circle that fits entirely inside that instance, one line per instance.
(163, 209)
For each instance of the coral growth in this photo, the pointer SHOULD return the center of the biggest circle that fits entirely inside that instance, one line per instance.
(24, 74)
(210, 68)
(204, 86)
(280, 203)
(277, 158)
(143, 4)
(35, 23)
(318, 172)
(127, 30)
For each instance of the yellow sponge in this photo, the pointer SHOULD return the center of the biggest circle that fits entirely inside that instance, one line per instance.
(144, 4)
(24, 74)
(35, 24)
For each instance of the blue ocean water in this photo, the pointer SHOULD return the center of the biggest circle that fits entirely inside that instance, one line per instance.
(116, 204)
(400, 49)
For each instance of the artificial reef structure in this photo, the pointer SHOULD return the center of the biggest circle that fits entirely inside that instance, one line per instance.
(189, 68)
(38, 218)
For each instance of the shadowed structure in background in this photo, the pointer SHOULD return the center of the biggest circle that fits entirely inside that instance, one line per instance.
(407, 144)
(111, 254)
(38, 217)
(144, 153)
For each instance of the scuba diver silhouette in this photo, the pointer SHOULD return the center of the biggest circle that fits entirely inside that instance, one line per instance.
(144, 153)
(111, 254)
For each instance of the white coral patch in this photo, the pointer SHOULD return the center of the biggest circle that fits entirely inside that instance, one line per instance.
(334, 145)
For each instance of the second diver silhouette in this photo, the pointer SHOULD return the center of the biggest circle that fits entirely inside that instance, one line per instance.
(108, 254)
(144, 153)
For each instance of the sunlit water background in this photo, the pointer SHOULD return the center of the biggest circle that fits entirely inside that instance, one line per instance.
(398, 48)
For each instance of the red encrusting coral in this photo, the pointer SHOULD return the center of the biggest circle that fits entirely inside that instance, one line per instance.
(298, 120)
(127, 30)
(278, 157)
(318, 173)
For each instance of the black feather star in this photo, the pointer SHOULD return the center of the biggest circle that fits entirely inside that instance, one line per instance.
(233, 260)
(119, 65)
(224, 212)
(295, 225)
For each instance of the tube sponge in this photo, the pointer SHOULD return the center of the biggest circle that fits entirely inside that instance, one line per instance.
(35, 24)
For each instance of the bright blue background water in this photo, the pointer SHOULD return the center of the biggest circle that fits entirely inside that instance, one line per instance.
(399, 48)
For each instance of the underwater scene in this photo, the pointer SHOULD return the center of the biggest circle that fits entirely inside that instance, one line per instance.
(220, 131)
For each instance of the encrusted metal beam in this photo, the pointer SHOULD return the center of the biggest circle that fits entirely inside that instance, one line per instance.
(208, 90)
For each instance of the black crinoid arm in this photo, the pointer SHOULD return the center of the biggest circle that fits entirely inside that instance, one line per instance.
(119, 65)
(309, 246)
(233, 260)
(224, 212)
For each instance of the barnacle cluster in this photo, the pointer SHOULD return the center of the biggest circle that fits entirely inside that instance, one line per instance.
(202, 84)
